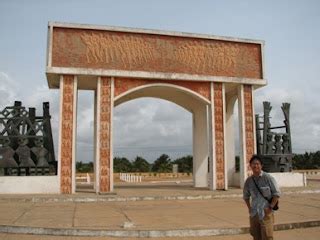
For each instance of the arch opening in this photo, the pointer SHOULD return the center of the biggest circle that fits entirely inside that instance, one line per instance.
(85, 144)
(194, 104)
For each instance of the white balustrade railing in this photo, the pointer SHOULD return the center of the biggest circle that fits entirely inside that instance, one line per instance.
(86, 178)
(130, 177)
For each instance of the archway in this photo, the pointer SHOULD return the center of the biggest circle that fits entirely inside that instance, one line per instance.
(194, 103)
(201, 73)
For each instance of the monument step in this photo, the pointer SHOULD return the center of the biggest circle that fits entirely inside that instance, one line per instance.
(146, 233)
(114, 197)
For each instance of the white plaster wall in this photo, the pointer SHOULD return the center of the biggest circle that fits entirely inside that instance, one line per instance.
(230, 140)
(235, 180)
(230, 147)
(211, 136)
(242, 142)
(287, 179)
(200, 147)
(290, 179)
(29, 184)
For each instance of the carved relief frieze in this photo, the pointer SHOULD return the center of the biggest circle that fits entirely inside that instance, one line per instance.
(155, 53)
(110, 48)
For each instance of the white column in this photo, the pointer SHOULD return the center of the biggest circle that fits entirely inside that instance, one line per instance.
(212, 146)
(224, 138)
(242, 138)
(111, 134)
(254, 122)
(60, 129)
(88, 178)
(230, 141)
(200, 147)
(97, 135)
(74, 136)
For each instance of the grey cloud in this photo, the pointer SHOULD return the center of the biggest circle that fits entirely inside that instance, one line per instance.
(148, 132)
(170, 112)
(7, 90)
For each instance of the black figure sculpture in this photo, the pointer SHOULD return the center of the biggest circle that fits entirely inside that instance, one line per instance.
(276, 154)
(41, 155)
(7, 162)
(24, 154)
(26, 141)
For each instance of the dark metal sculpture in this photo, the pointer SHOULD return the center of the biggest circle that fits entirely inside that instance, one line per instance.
(7, 162)
(274, 148)
(26, 144)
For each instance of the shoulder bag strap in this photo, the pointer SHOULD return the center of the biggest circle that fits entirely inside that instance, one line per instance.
(259, 189)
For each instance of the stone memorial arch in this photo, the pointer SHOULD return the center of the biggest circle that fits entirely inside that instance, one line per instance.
(202, 73)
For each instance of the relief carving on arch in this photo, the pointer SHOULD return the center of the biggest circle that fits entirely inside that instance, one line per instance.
(129, 51)
(110, 48)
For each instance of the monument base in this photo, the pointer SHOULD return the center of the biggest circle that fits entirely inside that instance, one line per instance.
(29, 184)
(284, 179)
(290, 179)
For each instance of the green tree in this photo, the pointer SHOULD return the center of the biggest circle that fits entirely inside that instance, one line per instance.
(185, 164)
(316, 160)
(121, 165)
(162, 164)
(84, 167)
(79, 166)
(140, 165)
(306, 161)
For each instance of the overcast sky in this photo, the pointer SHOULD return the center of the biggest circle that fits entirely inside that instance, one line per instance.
(149, 127)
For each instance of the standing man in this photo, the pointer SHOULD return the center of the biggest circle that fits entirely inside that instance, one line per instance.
(260, 209)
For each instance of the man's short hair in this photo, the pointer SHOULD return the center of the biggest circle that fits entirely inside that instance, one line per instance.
(255, 157)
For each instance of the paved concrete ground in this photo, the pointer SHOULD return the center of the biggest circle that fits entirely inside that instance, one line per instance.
(227, 212)
(213, 210)
(296, 234)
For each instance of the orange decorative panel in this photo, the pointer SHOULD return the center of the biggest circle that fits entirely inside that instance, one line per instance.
(123, 85)
(249, 131)
(219, 135)
(67, 134)
(105, 131)
(129, 51)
